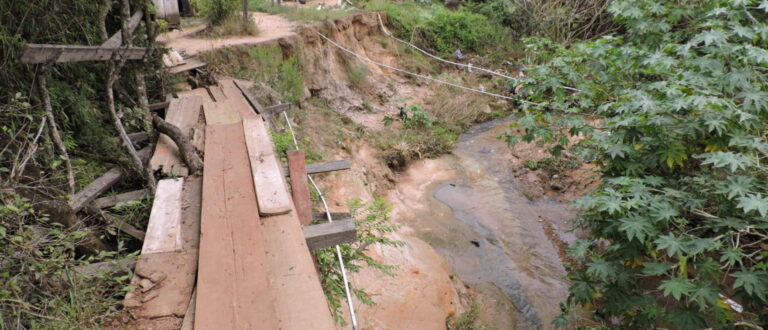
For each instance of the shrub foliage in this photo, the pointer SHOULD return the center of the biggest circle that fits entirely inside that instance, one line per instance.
(678, 115)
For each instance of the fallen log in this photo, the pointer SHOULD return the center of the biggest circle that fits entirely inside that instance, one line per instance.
(187, 151)
(118, 223)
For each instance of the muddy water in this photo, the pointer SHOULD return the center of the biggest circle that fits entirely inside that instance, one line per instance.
(471, 210)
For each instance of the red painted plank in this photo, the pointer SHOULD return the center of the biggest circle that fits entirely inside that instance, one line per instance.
(299, 186)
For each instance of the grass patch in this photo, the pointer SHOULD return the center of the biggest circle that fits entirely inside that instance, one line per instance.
(357, 73)
(469, 320)
(261, 63)
(300, 13)
(232, 26)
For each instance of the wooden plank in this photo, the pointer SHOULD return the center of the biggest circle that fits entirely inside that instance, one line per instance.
(219, 113)
(321, 216)
(182, 113)
(330, 234)
(164, 228)
(250, 97)
(105, 202)
(190, 64)
(96, 188)
(323, 167)
(236, 99)
(39, 53)
(189, 317)
(123, 226)
(268, 180)
(117, 39)
(277, 108)
(217, 94)
(233, 290)
(299, 186)
(293, 276)
(164, 284)
(158, 106)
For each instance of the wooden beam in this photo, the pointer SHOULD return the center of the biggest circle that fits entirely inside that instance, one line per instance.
(299, 186)
(96, 188)
(321, 216)
(159, 106)
(191, 64)
(268, 180)
(38, 53)
(164, 225)
(106, 202)
(117, 39)
(251, 98)
(278, 108)
(330, 234)
(334, 165)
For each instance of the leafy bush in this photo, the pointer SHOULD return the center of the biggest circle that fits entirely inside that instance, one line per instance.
(217, 11)
(373, 224)
(678, 115)
(451, 30)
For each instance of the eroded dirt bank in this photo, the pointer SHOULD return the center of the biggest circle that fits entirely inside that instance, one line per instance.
(471, 234)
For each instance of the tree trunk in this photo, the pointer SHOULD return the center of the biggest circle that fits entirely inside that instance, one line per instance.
(46, 98)
(187, 151)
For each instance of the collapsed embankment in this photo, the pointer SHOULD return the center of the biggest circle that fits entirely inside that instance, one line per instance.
(348, 109)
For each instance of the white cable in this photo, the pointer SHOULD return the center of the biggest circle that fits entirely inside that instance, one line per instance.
(468, 66)
(416, 74)
(330, 219)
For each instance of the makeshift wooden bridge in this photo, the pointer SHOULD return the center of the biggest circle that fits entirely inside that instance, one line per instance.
(227, 250)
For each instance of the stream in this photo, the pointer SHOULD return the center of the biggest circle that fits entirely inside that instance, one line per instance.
(475, 215)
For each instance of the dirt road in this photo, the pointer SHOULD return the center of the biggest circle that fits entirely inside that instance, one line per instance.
(271, 27)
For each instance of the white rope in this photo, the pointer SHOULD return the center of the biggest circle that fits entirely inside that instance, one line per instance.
(330, 219)
(470, 66)
(416, 74)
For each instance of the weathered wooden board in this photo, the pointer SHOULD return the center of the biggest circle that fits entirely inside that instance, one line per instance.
(164, 227)
(233, 290)
(37, 53)
(219, 113)
(217, 93)
(117, 39)
(188, 65)
(293, 276)
(182, 113)
(95, 188)
(323, 167)
(268, 181)
(158, 106)
(189, 317)
(250, 97)
(165, 282)
(168, 10)
(330, 234)
(236, 99)
(300, 186)
(277, 108)
(111, 201)
(321, 216)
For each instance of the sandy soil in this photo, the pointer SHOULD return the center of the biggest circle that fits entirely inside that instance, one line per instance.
(271, 27)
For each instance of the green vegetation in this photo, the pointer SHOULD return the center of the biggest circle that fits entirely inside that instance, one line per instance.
(218, 11)
(469, 320)
(42, 250)
(304, 14)
(373, 226)
(674, 111)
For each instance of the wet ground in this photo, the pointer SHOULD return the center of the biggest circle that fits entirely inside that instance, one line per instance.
(468, 206)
